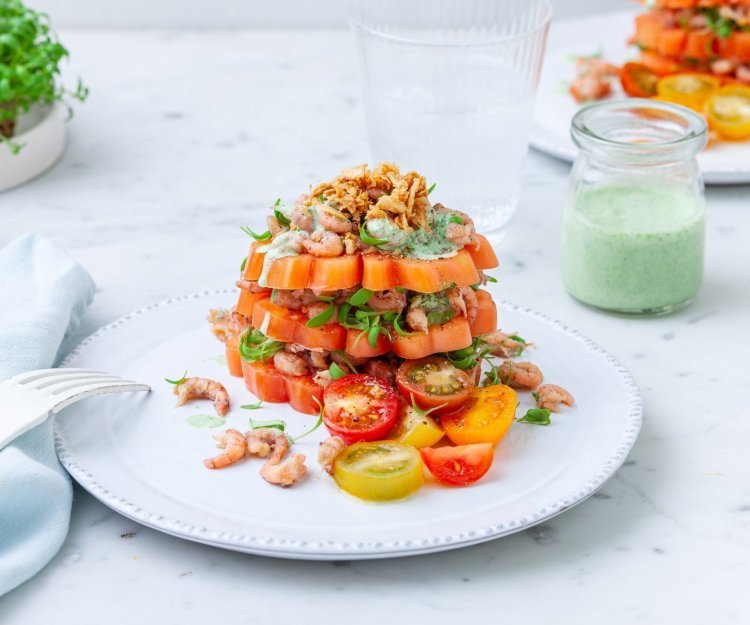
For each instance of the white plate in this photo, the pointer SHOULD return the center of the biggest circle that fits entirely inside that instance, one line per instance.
(722, 163)
(137, 455)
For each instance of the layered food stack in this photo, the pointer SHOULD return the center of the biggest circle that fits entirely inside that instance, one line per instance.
(357, 276)
(711, 36)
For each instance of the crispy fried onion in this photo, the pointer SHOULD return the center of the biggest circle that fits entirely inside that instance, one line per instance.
(362, 193)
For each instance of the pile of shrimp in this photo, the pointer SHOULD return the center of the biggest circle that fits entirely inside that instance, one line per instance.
(263, 443)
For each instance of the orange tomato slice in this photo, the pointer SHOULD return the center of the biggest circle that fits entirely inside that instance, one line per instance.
(290, 326)
(234, 362)
(269, 384)
(486, 319)
(485, 418)
(377, 272)
(447, 337)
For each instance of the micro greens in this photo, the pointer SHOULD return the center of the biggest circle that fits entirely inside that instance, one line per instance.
(276, 424)
(490, 278)
(455, 219)
(318, 423)
(398, 329)
(535, 395)
(421, 411)
(263, 236)
(322, 318)
(432, 188)
(254, 346)
(242, 266)
(30, 56)
(342, 354)
(361, 297)
(281, 217)
(336, 371)
(536, 416)
(367, 239)
(274, 293)
(322, 198)
(515, 337)
(177, 382)
(721, 25)
(474, 287)
(254, 406)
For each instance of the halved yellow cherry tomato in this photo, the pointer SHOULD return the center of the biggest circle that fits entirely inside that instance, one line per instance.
(379, 471)
(728, 112)
(689, 89)
(416, 428)
(486, 418)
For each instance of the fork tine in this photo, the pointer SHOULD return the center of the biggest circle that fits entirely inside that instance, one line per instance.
(80, 386)
(31, 376)
(50, 382)
(98, 389)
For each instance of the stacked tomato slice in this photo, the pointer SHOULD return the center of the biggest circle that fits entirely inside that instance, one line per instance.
(397, 423)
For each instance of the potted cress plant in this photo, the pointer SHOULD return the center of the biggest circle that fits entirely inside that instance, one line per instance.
(33, 101)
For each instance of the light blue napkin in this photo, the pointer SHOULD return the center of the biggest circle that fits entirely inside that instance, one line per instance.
(43, 294)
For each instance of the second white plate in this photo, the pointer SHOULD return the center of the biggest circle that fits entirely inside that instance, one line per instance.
(721, 163)
(137, 454)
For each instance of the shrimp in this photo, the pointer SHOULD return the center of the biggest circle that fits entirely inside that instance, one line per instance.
(313, 310)
(203, 388)
(328, 451)
(502, 345)
(592, 79)
(223, 324)
(743, 73)
(462, 234)
(322, 377)
(332, 220)
(391, 300)
(470, 301)
(274, 225)
(234, 446)
(250, 285)
(261, 441)
(319, 358)
(301, 217)
(381, 369)
(416, 319)
(523, 375)
(285, 473)
(550, 396)
(294, 299)
(290, 364)
(324, 243)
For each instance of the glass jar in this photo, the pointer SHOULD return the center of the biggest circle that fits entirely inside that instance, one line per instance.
(634, 219)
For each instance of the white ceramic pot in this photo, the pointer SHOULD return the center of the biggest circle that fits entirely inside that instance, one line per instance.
(41, 132)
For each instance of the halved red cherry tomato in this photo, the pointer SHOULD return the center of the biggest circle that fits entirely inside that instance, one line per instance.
(458, 466)
(435, 383)
(359, 407)
(638, 81)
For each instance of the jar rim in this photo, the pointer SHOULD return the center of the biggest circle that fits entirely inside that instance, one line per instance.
(682, 127)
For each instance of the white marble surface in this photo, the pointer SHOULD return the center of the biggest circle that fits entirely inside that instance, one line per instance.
(185, 137)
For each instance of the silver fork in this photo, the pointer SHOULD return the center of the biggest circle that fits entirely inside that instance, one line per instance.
(28, 399)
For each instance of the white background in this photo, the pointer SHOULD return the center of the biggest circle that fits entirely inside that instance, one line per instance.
(236, 13)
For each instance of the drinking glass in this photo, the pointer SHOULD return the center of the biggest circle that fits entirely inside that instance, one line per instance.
(449, 90)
